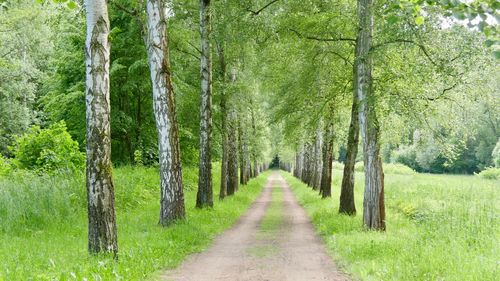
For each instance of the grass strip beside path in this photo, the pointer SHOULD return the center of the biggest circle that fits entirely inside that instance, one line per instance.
(439, 227)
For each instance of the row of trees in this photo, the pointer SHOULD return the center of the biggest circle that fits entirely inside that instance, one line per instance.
(291, 78)
(235, 139)
(122, 44)
(407, 63)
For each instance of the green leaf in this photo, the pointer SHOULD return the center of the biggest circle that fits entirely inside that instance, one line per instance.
(419, 20)
(392, 19)
(482, 25)
(459, 15)
(489, 43)
(496, 54)
(72, 5)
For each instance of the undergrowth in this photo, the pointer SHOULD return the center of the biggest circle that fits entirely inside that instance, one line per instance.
(43, 225)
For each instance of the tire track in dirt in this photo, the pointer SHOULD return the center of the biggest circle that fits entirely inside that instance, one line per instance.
(284, 247)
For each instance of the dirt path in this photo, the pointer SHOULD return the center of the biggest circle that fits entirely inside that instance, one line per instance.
(274, 240)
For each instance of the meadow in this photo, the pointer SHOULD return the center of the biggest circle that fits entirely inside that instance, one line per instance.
(439, 227)
(43, 225)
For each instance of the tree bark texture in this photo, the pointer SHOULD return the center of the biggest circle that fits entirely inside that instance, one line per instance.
(307, 172)
(318, 158)
(232, 184)
(102, 235)
(326, 177)
(373, 204)
(204, 197)
(224, 126)
(244, 171)
(347, 205)
(172, 195)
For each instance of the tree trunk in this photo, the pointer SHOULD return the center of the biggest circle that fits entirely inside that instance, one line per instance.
(99, 182)
(308, 164)
(172, 195)
(318, 158)
(246, 156)
(326, 177)
(232, 184)
(204, 196)
(242, 156)
(224, 126)
(347, 205)
(300, 162)
(373, 204)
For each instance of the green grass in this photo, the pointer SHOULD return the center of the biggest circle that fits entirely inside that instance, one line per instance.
(439, 227)
(43, 226)
(273, 218)
(270, 226)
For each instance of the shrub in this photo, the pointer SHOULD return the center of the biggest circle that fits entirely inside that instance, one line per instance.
(337, 165)
(138, 158)
(405, 155)
(5, 166)
(359, 166)
(389, 168)
(490, 173)
(48, 149)
(398, 169)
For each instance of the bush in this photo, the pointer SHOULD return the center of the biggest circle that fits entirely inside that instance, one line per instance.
(48, 149)
(337, 165)
(5, 166)
(389, 168)
(359, 166)
(398, 169)
(490, 173)
(405, 155)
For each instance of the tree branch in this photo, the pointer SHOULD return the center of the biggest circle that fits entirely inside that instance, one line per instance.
(194, 47)
(422, 47)
(346, 60)
(124, 9)
(300, 35)
(256, 13)
(186, 52)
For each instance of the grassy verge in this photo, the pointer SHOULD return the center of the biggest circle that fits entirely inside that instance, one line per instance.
(43, 226)
(440, 227)
(269, 227)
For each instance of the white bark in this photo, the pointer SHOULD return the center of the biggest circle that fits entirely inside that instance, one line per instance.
(204, 196)
(373, 212)
(100, 191)
(172, 197)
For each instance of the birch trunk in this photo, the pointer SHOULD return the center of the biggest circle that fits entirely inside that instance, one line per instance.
(373, 204)
(232, 184)
(326, 177)
(204, 196)
(318, 158)
(347, 205)
(306, 174)
(224, 126)
(172, 195)
(244, 157)
(300, 162)
(99, 182)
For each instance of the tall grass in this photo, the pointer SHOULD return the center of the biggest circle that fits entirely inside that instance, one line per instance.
(439, 227)
(43, 226)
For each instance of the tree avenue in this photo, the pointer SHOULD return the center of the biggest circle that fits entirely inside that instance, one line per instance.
(337, 94)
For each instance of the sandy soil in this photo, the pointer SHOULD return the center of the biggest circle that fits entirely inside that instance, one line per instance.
(241, 253)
